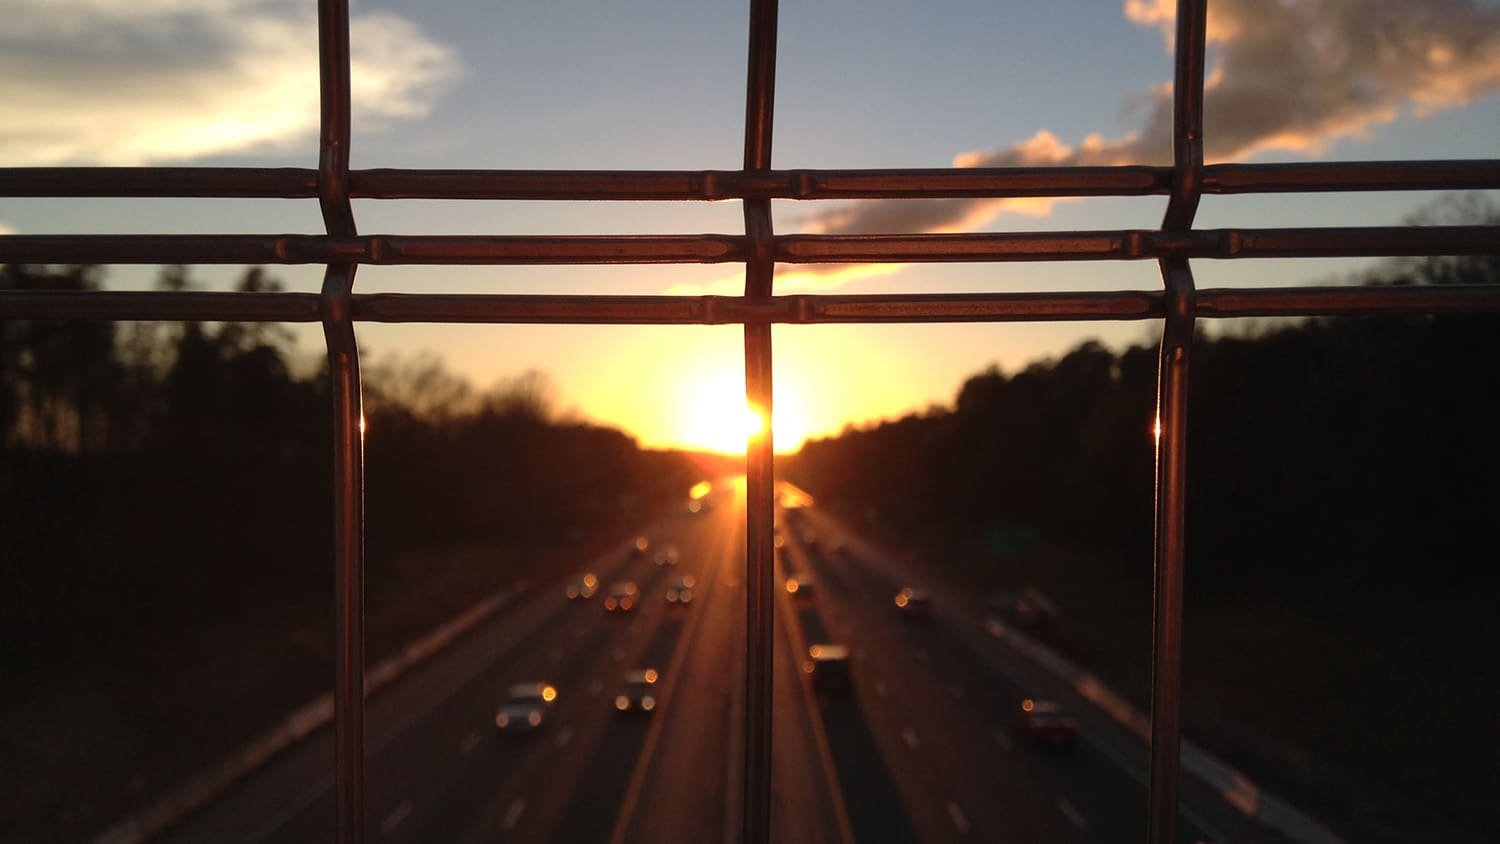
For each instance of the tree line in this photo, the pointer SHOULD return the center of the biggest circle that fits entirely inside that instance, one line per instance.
(1356, 450)
(156, 477)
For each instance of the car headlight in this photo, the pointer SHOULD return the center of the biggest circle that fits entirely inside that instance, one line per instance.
(622, 702)
(502, 720)
(648, 703)
(535, 718)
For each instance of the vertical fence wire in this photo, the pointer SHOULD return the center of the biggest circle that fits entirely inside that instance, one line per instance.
(760, 86)
(348, 423)
(1171, 424)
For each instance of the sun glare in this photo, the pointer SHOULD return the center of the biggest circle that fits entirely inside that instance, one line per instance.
(721, 420)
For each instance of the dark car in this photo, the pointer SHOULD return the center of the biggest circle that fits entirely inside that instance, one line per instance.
(525, 707)
(1046, 724)
(582, 587)
(639, 693)
(622, 597)
(914, 604)
(680, 591)
(828, 666)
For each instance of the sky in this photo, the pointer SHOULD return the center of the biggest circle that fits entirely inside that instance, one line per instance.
(660, 85)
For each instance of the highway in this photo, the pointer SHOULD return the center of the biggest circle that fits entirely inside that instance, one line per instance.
(924, 747)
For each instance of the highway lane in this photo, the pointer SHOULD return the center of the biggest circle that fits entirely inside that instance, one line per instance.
(431, 742)
(437, 769)
(918, 681)
(923, 749)
(685, 786)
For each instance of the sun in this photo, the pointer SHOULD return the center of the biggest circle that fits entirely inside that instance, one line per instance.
(720, 419)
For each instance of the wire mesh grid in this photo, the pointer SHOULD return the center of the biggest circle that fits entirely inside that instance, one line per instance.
(342, 250)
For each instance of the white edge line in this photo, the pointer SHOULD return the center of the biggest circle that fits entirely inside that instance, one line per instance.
(513, 814)
(959, 819)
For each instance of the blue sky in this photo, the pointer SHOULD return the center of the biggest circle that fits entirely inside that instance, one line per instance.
(575, 85)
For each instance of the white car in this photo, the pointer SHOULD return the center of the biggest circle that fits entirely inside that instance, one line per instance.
(525, 707)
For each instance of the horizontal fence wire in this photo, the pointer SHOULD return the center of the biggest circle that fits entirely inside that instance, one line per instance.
(342, 250)
(712, 185)
(800, 309)
(498, 250)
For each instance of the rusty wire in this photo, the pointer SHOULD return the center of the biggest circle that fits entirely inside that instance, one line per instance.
(341, 249)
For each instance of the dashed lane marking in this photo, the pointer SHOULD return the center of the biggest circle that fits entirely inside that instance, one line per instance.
(1071, 812)
(513, 814)
(395, 818)
(960, 821)
(1001, 738)
(470, 742)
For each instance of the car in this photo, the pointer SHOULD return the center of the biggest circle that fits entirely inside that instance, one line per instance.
(914, 604)
(638, 694)
(1029, 610)
(525, 707)
(828, 666)
(800, 585)
(622, 597)
(582, 587)
(1046, 724)
(680, 591)
(667, 556)
(637, 548)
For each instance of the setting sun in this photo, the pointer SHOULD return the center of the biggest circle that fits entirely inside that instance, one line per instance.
(720, 418)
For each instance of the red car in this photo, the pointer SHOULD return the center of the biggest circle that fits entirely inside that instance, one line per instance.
(1047, 725)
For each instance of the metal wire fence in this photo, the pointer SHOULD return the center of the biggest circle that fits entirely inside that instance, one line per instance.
(342, 250)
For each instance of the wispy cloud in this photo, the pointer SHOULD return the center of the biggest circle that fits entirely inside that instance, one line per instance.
(145, 81)
(1288, 75)
(789, 279)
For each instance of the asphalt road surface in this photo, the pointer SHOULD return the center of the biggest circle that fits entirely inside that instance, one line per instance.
(923, 747)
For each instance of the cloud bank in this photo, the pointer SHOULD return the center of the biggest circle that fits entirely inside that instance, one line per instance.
(1287, 75)
(149, 81)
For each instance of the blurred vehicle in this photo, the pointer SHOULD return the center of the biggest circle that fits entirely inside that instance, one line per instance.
(681, 590)
(914, 604)
(800, 585)
(638, 548)
(582, 587)
(667, 556)
(638, 694)
(622, 597)
(525, 707)
(1046, 724)
(1030, 610)
(828, 666)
